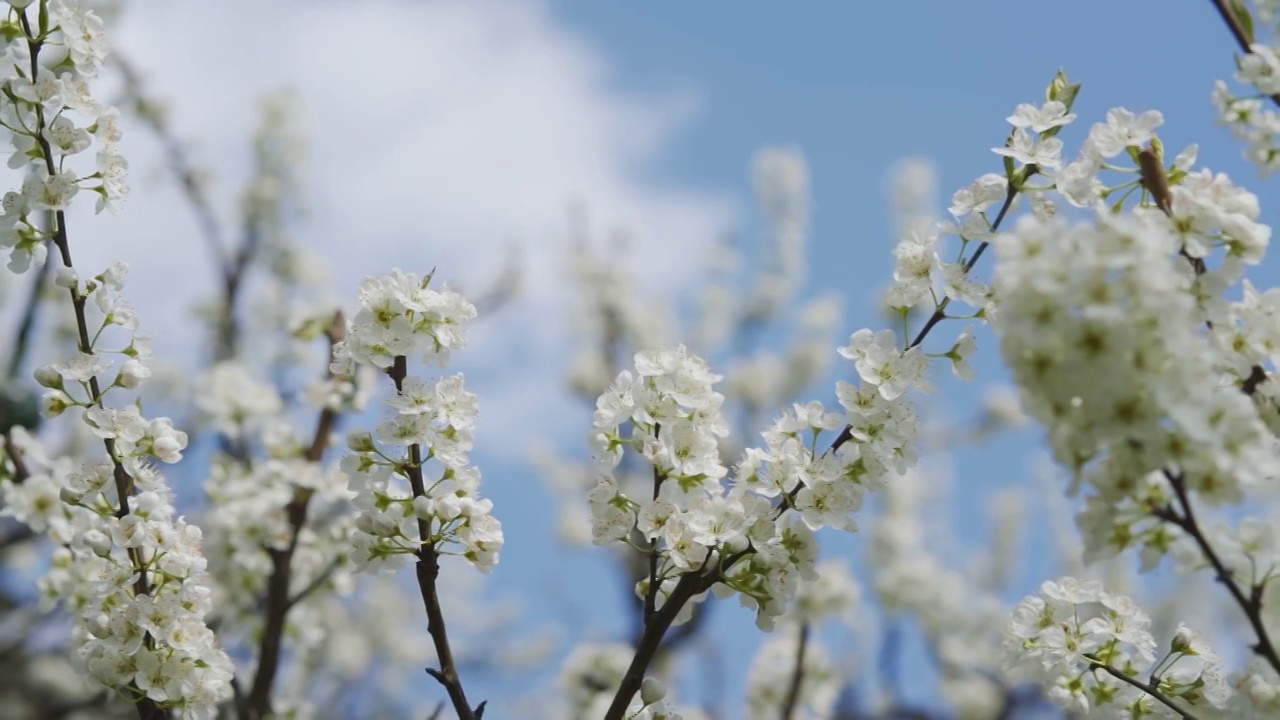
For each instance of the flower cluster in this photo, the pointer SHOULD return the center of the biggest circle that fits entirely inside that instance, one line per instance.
(957, 612)
(757, 531)
(401, 316)
(128, 568)
(830, 594)
(1091, 648)
(1103, 326)
(1251, 117)
(46, 70)
(251, 501)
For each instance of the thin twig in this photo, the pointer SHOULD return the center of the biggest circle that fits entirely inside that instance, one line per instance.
(1147, 688)
(22, 336)
(179, 162)
(148, 709)
(651, 592)
(797, 675)
(20, 472)
(1251, 603)
(427, 570)
(278, 601)
(1238, 31)
(688, 586)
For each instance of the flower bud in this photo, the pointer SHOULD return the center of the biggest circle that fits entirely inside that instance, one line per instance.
(54, 402)
(424, 507)
(1182, 640)
(98, 542)
(69, 496)
(360, 441)
(66, 278)
(132, 373)
(652, 690)
(48, 376)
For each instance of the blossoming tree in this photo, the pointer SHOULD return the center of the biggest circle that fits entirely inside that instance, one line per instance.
(1117, 298)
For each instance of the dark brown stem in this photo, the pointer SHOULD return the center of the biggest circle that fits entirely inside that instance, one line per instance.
(688, 586)
(797, 675)
(1238, 31)
(651, 592)
(941, 312)
(315, 584)
(148, 709)
(1145, 687)
(1251, 603)
(427, 571)
(278, 602)
(258, 703)
(1156, 181)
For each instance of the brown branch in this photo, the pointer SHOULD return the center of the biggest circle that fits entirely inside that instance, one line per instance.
(231, 264)
(278, 602)
(1147, 688)
(797, 675)
(651, 592)
(176, 157)
(20, 471)
(688, 586)
(1184, 518)
(941, 312)
(427, 571)
(1243, 38)
(316, 583)
(148, 709)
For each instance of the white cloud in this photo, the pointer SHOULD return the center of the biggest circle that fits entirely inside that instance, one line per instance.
(438, 134)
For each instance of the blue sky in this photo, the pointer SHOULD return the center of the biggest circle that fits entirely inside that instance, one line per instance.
(859, 86)
(440, 132)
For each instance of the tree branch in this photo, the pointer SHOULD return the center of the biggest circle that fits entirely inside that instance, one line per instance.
(148, 709)
(427, 571)
(686, 587)
(1251, 603)
(278, 603)
(1147, 688)
(941, 311)
(1238, 31)
(797, 675)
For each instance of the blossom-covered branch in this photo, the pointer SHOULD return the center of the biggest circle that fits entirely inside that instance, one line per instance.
(401, 316)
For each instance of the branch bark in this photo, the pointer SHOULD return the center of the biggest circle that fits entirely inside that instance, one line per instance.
(1147, 688)
(278, 603)
(797, 675)
(427, 571)
(1251, 603)
(1238, 31)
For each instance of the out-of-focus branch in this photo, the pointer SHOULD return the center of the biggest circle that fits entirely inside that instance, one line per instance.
(797, 675)
(278, 603)
(176, 157)
(22, 336)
